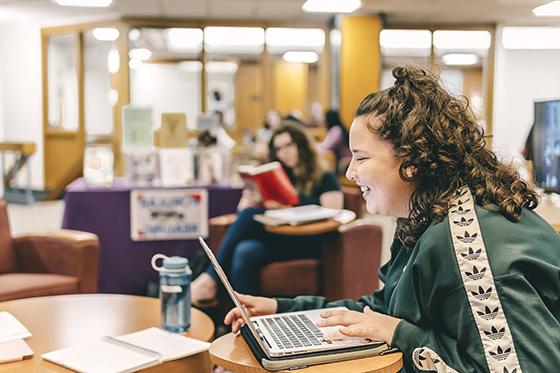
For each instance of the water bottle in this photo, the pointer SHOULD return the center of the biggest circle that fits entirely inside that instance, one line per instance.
(174, 292)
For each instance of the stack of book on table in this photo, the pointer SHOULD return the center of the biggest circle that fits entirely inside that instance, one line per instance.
(297, 215)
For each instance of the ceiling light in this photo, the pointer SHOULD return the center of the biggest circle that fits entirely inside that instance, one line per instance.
(298, 56)
(531, 37)
(113, 61)
(410, 43)
(331, 6)
(190, 66)
(247, 40)
(221, 67)
(142, 54)
(462, 40)
(84, 3)
(551, 9)
(462, 59)
(105, 33)
(281, 39)
(188, 40)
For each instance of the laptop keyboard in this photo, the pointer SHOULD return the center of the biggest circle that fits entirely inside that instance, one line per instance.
(291, 331)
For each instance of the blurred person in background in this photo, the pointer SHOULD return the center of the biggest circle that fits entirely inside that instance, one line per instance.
(271, 122)
(336, 141)
(247, 247)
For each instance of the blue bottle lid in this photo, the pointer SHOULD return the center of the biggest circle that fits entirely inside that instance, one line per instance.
(175, 262)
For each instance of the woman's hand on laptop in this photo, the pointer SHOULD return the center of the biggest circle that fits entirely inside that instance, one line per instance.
(255, 306)
(367, 324)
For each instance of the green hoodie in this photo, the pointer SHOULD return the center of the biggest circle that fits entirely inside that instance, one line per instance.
(477, 293)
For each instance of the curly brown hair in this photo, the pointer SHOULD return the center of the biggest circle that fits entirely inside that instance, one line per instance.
(436, 134)
(307, 172)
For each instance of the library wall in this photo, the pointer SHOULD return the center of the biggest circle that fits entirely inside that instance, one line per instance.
(290, 85)
(521, 77)
(20, 76)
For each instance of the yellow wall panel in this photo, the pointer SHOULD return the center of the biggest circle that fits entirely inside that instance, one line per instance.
(249, 105)
(290, 86)
(360, 62)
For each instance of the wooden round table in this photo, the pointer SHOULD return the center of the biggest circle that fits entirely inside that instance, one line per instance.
(66, 320)
(319, 227)
(231, 352)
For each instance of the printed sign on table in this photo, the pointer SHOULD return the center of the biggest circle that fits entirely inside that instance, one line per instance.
(174, 214)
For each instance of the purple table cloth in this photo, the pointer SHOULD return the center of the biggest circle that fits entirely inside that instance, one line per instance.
(124, 265)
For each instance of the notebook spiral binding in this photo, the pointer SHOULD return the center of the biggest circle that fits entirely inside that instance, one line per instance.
(132, 347)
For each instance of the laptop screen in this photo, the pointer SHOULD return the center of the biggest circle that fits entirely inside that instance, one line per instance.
(230, 291)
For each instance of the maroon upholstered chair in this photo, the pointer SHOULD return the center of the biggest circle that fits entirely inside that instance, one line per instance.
(348, 267)
(53, 263)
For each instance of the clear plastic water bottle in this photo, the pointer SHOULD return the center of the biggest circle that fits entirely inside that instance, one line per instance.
(174, 292)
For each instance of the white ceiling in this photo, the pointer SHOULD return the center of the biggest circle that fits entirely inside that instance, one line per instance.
(516, 12)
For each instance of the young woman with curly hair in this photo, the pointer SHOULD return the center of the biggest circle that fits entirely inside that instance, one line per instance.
(247, 247)
(473, 283)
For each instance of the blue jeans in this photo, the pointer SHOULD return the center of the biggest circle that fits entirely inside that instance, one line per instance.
(247, 248)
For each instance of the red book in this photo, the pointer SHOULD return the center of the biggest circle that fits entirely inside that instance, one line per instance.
(271, 182)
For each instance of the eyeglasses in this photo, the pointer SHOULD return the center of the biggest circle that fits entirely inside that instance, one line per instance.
(277, 149)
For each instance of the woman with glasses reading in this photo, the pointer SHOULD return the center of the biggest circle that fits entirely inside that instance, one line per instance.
(247, 247)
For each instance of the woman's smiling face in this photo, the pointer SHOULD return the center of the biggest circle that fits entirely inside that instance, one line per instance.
(375, 169)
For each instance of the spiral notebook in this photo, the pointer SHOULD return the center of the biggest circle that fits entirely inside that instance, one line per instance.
(127, 353)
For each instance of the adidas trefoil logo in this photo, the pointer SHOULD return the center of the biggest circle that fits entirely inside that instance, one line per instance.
(495, 333)
(459, 210)
(500, 354)
(457, 203)
(476, 274)
(463, 222)
(488, 314)
(482, 294)
(460, 192)
(471, 254)
(421, 360)
(467, 238)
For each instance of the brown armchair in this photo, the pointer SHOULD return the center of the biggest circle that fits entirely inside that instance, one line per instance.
(53, 263)
(347, 269)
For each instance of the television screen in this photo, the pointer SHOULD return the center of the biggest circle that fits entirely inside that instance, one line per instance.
(546, 145)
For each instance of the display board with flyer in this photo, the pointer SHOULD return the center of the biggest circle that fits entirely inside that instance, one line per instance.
(173, 214)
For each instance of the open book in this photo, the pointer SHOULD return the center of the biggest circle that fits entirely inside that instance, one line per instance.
(297, 215)
(271, 182)
(127, 353)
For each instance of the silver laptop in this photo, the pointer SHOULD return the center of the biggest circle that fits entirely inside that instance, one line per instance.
(288, 333)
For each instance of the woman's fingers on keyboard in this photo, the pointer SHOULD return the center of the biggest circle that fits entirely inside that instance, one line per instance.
(345, 318)
(336, 336)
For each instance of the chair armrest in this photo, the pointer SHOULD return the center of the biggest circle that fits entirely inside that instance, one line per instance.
(351, 258)
(64, 252)
(217, 227)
